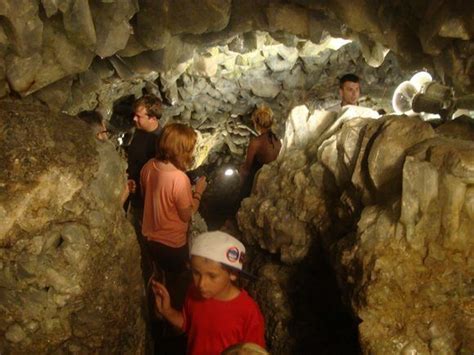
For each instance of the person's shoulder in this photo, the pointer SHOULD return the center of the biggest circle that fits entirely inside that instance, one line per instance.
(336, 108)
(247, 300)
(158, 131)
(248, 307)
(149, 164)
(253, 139)
(181, 175)
(256, 141)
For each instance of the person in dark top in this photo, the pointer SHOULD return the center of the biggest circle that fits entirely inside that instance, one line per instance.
(262, 149)
(96, 122)
(142, 148)
(148, 111)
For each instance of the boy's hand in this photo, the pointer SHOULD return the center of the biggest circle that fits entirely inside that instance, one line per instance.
(163, 305)
(162, 297)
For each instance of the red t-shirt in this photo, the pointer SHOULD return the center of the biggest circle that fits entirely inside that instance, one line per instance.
(212, 325)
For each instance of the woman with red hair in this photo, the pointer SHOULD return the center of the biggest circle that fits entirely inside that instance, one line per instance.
(169, 199)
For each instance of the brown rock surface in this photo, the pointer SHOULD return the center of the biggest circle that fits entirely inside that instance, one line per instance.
(69, 261)
(404, 260)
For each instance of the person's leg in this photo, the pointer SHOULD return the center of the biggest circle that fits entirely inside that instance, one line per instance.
(170, 264)
(173, 262)
(179, 277)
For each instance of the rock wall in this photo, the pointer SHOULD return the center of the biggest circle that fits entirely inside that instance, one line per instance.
(69, 260)
(389, 202)
(215, 92)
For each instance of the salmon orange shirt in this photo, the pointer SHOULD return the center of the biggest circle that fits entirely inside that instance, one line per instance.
(165, 189)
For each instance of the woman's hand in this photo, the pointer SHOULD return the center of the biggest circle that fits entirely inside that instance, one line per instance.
(185, 214)
(201, 185)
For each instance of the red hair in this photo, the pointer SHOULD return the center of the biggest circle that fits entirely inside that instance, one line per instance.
(176, 145)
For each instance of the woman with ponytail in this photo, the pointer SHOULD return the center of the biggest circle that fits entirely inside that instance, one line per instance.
(262, 149)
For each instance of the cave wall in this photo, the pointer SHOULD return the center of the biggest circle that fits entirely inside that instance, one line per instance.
(217, 91)
(388, 201)
(69, 260)
(71, 53)
(75, 55)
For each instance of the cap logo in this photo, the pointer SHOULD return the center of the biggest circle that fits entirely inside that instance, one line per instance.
(232, 254)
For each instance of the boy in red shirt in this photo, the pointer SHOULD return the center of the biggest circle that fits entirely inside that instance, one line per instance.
(216, 313)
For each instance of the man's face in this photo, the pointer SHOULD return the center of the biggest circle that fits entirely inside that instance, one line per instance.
(350, 93)
(143, 121)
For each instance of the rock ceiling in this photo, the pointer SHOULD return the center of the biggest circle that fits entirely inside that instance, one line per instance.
(62, 51)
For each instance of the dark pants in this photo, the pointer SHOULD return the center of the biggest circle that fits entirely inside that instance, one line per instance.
(170, 268)
(167, 258)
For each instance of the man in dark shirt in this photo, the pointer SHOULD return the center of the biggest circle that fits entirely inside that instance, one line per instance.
(148, 110)
(147, 113)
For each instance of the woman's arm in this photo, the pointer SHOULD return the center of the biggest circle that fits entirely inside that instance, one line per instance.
(251, 152)
(185, 214)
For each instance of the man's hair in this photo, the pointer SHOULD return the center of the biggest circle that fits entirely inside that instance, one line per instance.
(263, 117)
(92, 118)
(348, 77)
(152, 104)
(176, 145)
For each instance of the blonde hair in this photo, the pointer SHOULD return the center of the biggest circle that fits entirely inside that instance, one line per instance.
(245, 349)
(263, 117)
(176, 145)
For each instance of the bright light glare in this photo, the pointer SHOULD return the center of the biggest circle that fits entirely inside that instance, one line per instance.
(229, 172)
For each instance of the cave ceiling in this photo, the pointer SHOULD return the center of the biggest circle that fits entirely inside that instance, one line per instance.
(80, 54)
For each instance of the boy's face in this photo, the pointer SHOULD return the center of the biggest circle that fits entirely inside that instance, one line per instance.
(211, 279)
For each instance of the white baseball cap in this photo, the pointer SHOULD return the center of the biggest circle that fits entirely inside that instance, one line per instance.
(222, 248)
